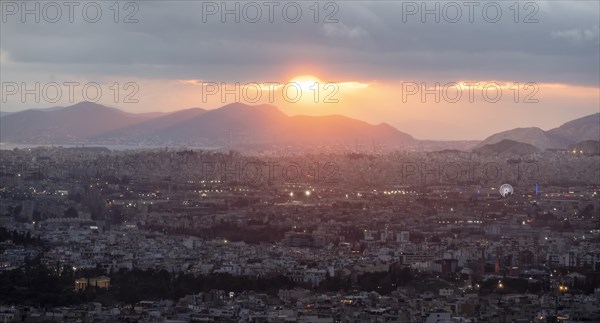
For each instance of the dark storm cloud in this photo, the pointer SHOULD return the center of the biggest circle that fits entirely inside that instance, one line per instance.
(369, 41)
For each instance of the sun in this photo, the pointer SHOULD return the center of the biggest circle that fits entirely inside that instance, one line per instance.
(307, 82)
(310, 90)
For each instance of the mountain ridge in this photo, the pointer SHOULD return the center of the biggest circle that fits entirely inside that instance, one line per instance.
(571, 132)
(251, 125)
(248, 124)
(507, 147)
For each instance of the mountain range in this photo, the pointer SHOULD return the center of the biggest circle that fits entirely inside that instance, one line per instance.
(88, 122)
(506, 147)
(586, 128)
(256, 126)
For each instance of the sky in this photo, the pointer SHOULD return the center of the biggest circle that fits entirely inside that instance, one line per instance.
(496, 65)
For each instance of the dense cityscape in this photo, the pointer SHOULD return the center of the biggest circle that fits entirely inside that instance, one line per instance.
(176, 235)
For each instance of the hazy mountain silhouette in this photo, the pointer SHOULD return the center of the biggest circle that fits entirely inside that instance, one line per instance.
(152, 127)
(60, 125)
(251, 125)
(266, 124)
(337, 129)
(533, 136)
(254, 126)
(586, 128)
(506, 147)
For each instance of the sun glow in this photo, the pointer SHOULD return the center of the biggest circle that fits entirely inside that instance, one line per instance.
(307, 82)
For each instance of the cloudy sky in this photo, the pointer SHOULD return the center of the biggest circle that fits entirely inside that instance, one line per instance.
(380, 57)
